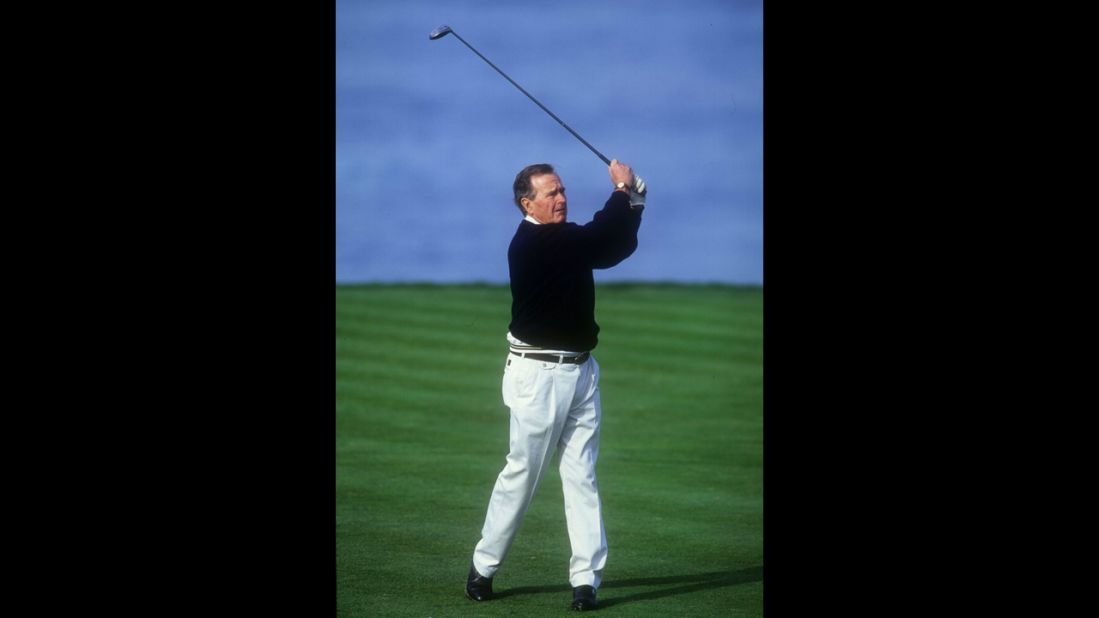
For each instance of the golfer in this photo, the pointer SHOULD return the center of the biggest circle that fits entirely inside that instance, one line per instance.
(551, 380)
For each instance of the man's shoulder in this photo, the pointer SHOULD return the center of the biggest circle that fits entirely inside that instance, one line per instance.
(546, 234)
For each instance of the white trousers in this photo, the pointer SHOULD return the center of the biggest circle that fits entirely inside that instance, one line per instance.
(554, 407)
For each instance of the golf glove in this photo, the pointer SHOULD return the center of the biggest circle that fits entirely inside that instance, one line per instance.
(638, 192)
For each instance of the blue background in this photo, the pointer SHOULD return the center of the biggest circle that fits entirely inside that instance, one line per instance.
(429, 138)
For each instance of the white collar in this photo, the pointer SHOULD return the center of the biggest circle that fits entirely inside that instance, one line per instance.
(531, 219)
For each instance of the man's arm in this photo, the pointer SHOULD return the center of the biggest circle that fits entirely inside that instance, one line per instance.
(612, 234)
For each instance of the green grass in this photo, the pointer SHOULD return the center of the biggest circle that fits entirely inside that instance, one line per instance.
(421, 433)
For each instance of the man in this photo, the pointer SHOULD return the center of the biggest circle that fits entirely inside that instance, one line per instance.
(551, 381)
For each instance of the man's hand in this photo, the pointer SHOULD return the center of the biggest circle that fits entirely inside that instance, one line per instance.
(620, 172)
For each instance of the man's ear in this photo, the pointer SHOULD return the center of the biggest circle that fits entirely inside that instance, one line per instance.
(524, 203)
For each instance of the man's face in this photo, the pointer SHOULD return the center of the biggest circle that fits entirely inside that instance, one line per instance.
(549, 204)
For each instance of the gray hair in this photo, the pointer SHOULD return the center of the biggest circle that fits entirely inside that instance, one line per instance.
(523, 188)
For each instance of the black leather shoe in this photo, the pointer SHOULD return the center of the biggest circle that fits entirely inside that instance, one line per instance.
(478, 587)
(583, 598)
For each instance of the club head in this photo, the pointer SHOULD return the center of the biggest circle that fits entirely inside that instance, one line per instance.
(439, 32)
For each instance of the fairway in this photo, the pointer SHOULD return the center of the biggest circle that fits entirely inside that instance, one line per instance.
(422, 432)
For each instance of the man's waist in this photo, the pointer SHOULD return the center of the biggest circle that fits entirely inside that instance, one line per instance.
(575, 359)
(520, 347)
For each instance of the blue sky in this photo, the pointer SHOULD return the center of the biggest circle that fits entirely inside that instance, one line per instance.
(429, 137)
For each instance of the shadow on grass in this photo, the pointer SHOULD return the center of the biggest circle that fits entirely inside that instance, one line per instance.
(694, 583)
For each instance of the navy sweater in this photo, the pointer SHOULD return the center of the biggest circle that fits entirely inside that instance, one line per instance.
(552, 289)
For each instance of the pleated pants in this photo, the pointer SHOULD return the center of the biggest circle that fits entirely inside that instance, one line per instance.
(554, 409)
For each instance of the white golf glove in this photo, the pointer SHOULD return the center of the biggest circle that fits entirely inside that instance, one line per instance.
(638, 191)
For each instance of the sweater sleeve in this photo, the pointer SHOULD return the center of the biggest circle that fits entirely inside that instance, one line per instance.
(611, 236)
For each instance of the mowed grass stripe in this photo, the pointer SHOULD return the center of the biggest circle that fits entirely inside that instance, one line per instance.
(697, 294)
(682, 302)
(729, 367)
(427, 397)
(698, 330)
(705, 327)
(425, 350)
(458, 301)
(676, 310)
(434, 319)
(460, 364)
(383, 334)
(639, 341)
(427, 319)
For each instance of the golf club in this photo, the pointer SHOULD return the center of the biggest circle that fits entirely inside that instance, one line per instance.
(444, 30)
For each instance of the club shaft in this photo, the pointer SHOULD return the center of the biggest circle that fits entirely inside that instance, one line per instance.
(544, 108)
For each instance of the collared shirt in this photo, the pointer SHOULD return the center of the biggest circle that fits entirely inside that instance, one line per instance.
(532, 220)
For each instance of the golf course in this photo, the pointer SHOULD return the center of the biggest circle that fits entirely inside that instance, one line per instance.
(422, 432)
